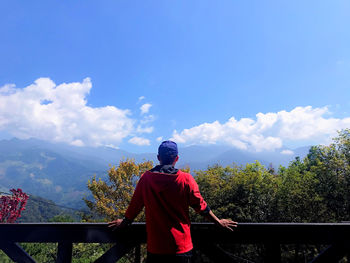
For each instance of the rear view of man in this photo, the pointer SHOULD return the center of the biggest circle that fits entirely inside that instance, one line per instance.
(167, 193)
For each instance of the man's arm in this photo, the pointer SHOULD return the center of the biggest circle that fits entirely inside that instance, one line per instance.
(200, 206)
(224, 223)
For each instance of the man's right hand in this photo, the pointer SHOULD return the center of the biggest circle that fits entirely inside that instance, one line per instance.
(227, 224)
(224, 223)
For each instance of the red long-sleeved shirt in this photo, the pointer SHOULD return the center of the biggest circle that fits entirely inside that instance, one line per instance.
(167, 198)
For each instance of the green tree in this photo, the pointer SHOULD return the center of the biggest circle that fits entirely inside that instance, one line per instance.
(243, 193)
(62, 218)
(111, 199)
(297, 198)
(331, 164)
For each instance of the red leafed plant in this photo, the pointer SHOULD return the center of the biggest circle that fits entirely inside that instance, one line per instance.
(11, 206)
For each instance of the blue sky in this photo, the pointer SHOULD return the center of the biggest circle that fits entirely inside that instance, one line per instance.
(205, 68)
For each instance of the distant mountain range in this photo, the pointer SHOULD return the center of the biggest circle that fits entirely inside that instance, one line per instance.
(60, 172)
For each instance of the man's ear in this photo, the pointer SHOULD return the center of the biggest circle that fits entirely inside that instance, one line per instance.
(158, 157)
(176, 159)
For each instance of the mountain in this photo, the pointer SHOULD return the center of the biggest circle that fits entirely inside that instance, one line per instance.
(41, 170)
(199, 157)
(39, 209)
(60, 172)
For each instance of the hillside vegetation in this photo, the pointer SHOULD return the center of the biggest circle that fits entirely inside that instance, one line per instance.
(39, 209)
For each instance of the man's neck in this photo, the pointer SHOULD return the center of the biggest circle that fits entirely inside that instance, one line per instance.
(165, 168)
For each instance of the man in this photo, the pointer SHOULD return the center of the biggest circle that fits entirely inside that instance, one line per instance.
(167, 193)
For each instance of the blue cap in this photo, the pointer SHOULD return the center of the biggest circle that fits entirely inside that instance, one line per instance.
(167, 151)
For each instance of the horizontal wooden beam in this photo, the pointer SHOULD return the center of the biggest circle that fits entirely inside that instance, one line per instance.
(246, 233)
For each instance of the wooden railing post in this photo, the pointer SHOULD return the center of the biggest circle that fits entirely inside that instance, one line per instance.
(272, 253)
(64, 252)
(137, 254)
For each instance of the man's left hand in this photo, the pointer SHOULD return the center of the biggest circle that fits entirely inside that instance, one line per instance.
(116, 224)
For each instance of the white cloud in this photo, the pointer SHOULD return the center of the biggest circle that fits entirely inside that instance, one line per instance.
(267, 131)
(139, 141)
(141, 98)
(305, 122)
(44, 181)
(159, 139)
(141, 129)
(7, 89)
(287, 152)
(143, 126)
(60, 113)
(145, 108)
(147, 119)
(77, 143)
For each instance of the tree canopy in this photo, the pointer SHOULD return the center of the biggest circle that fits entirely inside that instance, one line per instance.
(111, 199)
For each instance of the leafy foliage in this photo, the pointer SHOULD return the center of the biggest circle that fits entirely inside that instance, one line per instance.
(243, 193)
(112, 199)
(11, 206)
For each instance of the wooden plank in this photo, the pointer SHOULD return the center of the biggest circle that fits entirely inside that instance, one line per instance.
(73, 232)
(16, 252)
(64, 252)
(246, 233)
(282, 233)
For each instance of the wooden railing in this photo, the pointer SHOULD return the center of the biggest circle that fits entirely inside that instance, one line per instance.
(206, 238)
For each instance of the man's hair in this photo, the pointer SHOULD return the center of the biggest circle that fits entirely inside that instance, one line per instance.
(167, 152)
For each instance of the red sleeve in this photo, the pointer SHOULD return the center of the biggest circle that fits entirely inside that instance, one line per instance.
(136, 203)
(196, 200)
